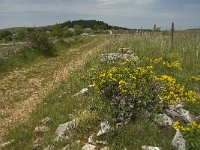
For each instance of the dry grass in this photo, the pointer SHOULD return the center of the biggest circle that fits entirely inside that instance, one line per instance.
(24, 89)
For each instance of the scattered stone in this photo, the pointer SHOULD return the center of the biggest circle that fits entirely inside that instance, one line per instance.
(91, 86)
(45, 121)
(41, 129)
(180, 113)
(84, 91)
(78, 141)
(123, 50)
(104, 148)
(38, 141)
(186, 115)
(105, 127)
(180, 105)
(112, 57)
(176, 105)
(119, 125)
(178, 141)
(3, 145)
(90, 139)
(49, 147)
(65, 131)
(173, 114)
(36, 146)
(164, 120)
(150, 148)
(102, 142)
(88, 146)
(66, 147)
(85, 34)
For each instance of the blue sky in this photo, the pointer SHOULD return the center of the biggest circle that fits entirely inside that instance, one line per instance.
(126, 13)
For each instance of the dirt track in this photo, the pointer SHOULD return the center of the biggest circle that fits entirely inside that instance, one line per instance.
(24, 89)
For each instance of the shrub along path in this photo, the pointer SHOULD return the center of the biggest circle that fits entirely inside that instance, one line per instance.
(22, 90)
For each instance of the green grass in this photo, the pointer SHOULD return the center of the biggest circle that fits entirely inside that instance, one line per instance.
(24, 58)
(59, 104)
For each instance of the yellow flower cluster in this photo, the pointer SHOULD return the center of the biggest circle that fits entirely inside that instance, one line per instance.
(143, 83)
(191, 96)
(195, 78)
(122, 84)
(170, 92)
(124, 77)
(189, 127)
(172, 65)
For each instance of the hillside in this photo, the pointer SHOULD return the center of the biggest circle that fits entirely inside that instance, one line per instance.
(83, 23)
(59, 30)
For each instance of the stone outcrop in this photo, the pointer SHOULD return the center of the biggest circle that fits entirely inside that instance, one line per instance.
(150, 148)
(117, 57)
(105, 127)
(178, 141)
(65, 131)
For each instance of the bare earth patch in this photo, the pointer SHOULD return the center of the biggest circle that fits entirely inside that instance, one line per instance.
(24, 89)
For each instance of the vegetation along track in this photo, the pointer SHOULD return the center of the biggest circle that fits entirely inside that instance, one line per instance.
(24, 89)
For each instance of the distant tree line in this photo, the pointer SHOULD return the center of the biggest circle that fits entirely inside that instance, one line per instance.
(66, 29)
(87, 24)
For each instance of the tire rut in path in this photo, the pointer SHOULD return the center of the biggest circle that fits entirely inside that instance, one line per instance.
(21, 110)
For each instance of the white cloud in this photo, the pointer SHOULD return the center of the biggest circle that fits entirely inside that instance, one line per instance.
(116, 12)
(118, 2)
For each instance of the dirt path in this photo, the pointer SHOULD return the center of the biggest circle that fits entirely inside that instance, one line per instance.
(23, 90)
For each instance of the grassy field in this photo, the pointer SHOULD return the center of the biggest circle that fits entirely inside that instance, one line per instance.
(60, 105)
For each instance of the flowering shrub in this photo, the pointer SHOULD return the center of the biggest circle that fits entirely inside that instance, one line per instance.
(133, 89)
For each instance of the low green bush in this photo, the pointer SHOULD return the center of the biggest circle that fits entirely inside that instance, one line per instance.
(38, 40)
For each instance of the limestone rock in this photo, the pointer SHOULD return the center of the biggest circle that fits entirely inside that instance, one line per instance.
(186, 115)
(66, 147)
(178, 141)
(36, 146)
(65, 131)
(101, 142)
(45, 121)
(3, 145)
(88, 146)
(82, 92)
(104, 148)
(112, 57)
(173, 114)
(105, 127)
(49, 147)
(123, 50)
(41, 129)
(180, 113)
(90, 139)
(164, 120)
(150, 148)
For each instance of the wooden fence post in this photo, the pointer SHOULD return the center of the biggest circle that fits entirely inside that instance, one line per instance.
(172, 36)
(154, 28)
